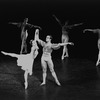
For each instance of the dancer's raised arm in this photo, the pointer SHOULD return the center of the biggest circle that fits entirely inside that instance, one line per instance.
(37, 38)
(57, 20)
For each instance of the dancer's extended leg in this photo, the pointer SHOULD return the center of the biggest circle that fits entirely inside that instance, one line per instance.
(64, 39)
(26, 78)
(44, 67)
(97, 63)
(66, 52)
(51, 67)
(22, 46)
(25, 47)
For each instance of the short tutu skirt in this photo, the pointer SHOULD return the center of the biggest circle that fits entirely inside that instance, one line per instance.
(25, 61)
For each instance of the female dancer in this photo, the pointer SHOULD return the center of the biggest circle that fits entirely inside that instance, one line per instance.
(24, 33)
(26, 60)
(96, 31)
(65, 37)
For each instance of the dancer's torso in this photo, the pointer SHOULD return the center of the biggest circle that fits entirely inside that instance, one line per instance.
(47, 49)
(99, 44)
(65, 38)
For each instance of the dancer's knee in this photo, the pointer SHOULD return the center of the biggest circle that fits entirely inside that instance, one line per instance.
(44, 70)
(52, 70)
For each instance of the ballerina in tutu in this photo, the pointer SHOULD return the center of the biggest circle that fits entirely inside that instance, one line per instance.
(26, 60)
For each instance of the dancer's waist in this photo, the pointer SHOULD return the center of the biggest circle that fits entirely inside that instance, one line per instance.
(46, 54)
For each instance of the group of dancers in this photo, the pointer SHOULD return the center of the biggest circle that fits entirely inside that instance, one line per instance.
(26, 60)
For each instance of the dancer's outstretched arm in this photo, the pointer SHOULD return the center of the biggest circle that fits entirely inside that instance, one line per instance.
(71, 26)
(37, 27)
(63, 44)
(34, 26)
(14, 23)
(92, 30)
(10, 54)
(57, 46)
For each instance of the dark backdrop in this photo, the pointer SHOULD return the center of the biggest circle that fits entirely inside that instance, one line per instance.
(40, 13)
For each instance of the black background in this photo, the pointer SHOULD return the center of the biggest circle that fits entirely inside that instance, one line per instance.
(40, 13)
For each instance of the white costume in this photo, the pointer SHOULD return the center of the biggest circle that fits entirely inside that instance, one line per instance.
(26, 61)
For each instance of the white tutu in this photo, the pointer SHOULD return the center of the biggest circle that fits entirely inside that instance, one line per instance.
(26, 61)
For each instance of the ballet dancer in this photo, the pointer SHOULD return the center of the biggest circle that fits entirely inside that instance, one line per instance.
(24, 33)
(98, 44)
(46, 58)
(26, 61)
(65, 37)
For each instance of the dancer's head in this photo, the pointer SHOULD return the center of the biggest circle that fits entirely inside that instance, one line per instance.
(26, 20)
(34, 43)
(36, 31)
(48, 38)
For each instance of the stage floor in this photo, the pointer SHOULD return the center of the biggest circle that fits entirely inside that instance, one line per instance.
(80, 80)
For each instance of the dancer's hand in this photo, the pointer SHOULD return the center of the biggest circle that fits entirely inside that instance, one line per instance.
(71, 43)
(84, 31)
(3, 52)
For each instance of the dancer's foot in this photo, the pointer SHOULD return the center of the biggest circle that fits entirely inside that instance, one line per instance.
(26, 85)
(43, 83)
(30, 73)
(58, 83)
(97, 64)
(62, 57)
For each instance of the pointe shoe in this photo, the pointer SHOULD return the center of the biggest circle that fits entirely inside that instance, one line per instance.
(97, 63)
(30, 73)
(62, 57)
(43, 83)
(58, 83)
(26, 85)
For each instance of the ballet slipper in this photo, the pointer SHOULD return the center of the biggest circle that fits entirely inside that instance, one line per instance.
(58, 83)
(62, 57)
(43, 83)
(30, 73)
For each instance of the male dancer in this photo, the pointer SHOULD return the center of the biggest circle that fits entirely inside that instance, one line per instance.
(65, 37)
(96, 31)
(24, 33)
(46, 58)
(26, 60)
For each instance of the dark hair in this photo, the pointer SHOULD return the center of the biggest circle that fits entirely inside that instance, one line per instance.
(26, 19)
(49, 36)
